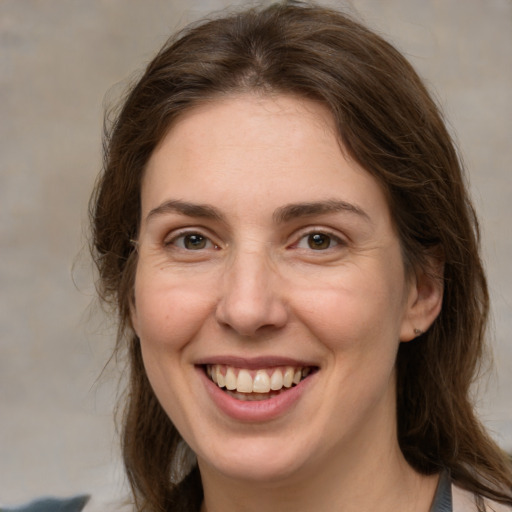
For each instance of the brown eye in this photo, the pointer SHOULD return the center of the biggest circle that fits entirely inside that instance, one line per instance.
(318, 241)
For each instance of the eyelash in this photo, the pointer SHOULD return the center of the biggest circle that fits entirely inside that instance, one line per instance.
(332, 240)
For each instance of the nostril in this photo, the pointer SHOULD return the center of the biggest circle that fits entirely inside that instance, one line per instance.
(250, 319)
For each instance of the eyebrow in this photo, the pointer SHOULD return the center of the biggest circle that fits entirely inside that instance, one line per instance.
(204, 211)
(281, 215)
(298, 210)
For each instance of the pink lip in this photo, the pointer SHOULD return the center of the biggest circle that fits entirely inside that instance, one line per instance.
(256, 411)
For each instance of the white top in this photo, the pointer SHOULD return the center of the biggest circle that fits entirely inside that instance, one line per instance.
(464, 501)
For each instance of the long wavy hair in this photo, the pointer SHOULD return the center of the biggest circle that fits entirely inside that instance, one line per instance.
(389, 124)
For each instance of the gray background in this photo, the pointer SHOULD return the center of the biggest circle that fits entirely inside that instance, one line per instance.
(58, 59)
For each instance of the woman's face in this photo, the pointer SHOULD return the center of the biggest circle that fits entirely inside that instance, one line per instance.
(270, 261)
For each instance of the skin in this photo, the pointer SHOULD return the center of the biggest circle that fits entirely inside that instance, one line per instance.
(256, 288)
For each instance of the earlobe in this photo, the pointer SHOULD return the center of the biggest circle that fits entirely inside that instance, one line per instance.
(425, 300)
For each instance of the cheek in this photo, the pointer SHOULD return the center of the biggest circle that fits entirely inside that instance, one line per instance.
(353, 308)
(169, 310)
(169, 313)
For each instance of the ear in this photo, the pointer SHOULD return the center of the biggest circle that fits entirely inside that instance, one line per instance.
(424, 301)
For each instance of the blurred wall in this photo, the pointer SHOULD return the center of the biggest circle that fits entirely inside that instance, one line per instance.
(58, 59)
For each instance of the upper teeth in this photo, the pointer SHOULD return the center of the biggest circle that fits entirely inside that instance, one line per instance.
(258, 381)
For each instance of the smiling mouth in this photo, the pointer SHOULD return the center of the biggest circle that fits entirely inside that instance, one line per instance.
(255, 385)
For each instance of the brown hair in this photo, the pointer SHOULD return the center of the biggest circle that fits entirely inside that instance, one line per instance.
(388, 123)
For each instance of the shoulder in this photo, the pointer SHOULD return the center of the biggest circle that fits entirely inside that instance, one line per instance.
(75, 504)
(82, 503)
(464, 501)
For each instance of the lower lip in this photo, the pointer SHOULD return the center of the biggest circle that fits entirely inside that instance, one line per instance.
(257, 410)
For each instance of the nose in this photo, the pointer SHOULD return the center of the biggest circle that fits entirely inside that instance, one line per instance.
(251, 302)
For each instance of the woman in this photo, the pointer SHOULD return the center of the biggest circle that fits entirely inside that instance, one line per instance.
(283, 227)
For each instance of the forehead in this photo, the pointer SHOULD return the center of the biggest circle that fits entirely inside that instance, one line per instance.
(227, 122)
(251, 109)
(272, 149)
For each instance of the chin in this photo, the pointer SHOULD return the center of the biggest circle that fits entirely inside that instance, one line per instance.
(257, 461)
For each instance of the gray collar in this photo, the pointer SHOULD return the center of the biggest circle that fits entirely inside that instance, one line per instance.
(443, 498)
